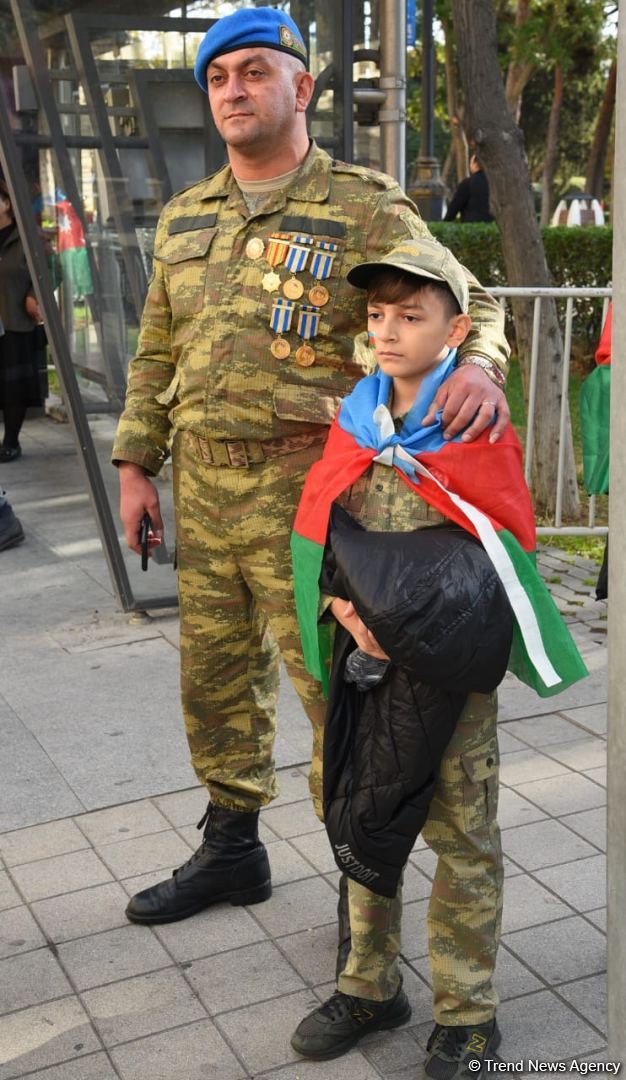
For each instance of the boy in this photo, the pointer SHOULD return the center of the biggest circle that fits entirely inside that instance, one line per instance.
(417, 316)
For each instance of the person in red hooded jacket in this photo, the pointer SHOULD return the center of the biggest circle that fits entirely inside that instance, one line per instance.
(603, 352)
(595, 395)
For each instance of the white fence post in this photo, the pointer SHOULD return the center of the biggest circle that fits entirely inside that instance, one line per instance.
(616, 848)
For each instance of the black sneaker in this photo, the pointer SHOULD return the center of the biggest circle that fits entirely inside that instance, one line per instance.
(336, 1026)
(451, 1050)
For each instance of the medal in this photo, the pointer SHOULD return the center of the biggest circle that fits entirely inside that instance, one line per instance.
(305, 356)
(298, 253)
(271, 281)
(318, 296)
(308, 322)
(280, 348)
(322, 260)
(255, 248)
(293, 288)
(277, 248)
(282, 314)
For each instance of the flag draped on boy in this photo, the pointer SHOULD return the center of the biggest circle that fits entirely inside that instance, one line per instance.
(479, 486)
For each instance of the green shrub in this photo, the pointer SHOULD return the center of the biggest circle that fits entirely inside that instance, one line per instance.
(476, 245)
(577, 257)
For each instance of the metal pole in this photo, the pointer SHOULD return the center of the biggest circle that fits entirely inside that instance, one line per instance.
(563, 419)
(532, 390)
(427, 188)
(38, 270)
(347, 78)
(427, 135)
(392, 116)
(616, 844)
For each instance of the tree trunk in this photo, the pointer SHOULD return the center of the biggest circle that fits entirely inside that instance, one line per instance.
(459, 141)
(549, 164)
(500, 143)
(519, 72)
(594, 180)
(447, 168)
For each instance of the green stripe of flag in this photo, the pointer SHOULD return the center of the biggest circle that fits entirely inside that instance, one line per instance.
(317, 638)
(555, 635)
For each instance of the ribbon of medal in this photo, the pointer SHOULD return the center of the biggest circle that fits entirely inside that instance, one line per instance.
(308, 323)
(280, 322)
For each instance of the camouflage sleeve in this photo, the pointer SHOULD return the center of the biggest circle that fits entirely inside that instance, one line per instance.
(395, 218)
(144, 427)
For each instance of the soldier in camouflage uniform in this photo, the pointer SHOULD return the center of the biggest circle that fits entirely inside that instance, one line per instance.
(246, 348)
(464, 912)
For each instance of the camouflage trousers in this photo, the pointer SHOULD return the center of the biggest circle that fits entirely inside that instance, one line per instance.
(237, 616)
(464, 912)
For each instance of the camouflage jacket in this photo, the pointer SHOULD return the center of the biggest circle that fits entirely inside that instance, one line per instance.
(204, 361)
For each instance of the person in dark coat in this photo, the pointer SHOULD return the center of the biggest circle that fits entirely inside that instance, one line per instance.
(595, 408)
(471, 198)
(20, 345)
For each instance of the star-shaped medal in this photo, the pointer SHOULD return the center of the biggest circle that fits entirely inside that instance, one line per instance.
(271, 282)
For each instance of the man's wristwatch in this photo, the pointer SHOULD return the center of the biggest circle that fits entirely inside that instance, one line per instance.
(491, 370)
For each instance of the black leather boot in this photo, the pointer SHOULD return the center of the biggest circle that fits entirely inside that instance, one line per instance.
(230, 864)
(344, 943)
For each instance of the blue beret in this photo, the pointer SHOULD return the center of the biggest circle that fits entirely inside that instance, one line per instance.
(264, 26)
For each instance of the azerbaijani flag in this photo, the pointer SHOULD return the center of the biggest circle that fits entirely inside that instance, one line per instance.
(595, 414)
(479, 486)
(72, 249)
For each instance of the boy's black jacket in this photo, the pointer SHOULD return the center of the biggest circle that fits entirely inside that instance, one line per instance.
(436, 606)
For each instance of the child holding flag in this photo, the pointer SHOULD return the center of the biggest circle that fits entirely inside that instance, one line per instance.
(418, 750)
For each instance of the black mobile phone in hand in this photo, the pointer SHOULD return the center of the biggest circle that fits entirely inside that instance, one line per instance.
(144, 532)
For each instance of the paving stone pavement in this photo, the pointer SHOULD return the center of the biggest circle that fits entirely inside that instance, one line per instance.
(97, 800)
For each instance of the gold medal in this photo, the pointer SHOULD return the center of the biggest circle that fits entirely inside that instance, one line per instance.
(271, 281)
(319, 295)
(255, 248)
(280, 348)
(305, 356)
(293, 288)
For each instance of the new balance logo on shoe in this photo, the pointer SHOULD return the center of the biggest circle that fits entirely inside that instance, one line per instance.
(477, 1043)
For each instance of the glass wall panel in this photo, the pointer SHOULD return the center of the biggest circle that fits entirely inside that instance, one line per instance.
(102, 122)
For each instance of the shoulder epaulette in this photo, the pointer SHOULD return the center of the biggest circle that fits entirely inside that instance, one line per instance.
(370, 175)
(196, 184)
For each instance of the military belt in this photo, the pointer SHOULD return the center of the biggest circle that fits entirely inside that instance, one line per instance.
(242, 453)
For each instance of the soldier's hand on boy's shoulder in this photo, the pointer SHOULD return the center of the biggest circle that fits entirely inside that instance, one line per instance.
(469, 397)
(344, 612)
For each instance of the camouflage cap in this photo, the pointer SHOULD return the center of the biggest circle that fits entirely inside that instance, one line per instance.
(262, 26)
(424, 258)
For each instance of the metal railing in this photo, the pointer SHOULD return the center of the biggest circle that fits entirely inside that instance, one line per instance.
(537, 295)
